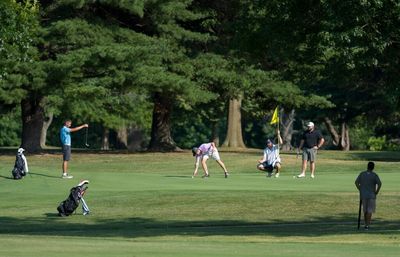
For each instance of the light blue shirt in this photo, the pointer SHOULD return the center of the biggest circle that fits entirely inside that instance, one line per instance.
(65, 135)
(272, 155)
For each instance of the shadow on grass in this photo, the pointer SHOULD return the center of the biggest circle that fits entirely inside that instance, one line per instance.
(52, 225)
(1, 176)
(44, 175)
(383, 156)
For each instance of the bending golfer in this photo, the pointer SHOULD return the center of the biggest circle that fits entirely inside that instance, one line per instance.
(203, 153)
(368, 184)
(65, 136)
(311, 141)
(271, 159)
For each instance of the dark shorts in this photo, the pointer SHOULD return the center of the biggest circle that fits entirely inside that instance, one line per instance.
(267, 167)
(66, 149)
(369, 205)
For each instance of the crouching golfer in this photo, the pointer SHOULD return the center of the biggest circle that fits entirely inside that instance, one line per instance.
(369, 184)
(203, 153)
(65, 137)
(271, 159)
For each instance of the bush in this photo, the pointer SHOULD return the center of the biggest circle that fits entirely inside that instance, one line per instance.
(377, 143)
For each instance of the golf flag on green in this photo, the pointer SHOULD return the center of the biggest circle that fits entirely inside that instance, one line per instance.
(275, 117)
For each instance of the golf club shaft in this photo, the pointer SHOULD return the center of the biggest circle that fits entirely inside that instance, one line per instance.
(359, 214)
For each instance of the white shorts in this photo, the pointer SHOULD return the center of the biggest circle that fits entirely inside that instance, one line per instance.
(213, 154)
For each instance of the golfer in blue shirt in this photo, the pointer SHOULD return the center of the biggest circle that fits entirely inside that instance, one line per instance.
(65, 137)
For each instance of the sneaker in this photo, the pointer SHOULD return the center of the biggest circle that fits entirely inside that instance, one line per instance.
(206, 176)
(277, 175)
(269, 174)
(86, 213)
(65, 175)
(226, 174)
(301, 176)
(312, 176)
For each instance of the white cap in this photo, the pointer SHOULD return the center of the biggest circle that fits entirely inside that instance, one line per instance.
(310, 124)
(20, 150)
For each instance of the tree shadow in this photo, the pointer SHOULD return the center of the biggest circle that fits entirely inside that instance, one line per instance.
(384, 156)
(75, 225)
(44, 175)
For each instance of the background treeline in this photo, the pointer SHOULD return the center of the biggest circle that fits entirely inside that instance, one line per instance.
(161, 75)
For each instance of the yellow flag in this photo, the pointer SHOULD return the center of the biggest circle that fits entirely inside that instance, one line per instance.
(275, 117)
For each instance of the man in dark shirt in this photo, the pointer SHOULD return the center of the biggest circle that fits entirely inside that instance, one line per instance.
(369, 184)
(311, 141)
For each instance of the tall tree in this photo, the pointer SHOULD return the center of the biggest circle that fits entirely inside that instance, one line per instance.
(20, 78)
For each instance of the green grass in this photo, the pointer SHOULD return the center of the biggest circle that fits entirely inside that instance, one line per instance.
(148, 205)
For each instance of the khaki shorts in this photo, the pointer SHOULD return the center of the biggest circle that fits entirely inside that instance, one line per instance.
(213, 154)
(309, 154)
(369, 205)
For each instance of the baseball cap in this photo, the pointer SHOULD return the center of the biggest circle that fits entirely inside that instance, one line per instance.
(20, 150)
(310, 124)
(194, 150)
(269, 141)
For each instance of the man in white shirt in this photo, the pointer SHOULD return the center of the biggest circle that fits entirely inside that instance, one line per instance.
(271, 159)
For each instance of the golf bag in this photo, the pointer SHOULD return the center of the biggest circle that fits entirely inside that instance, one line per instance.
(21, 165)
(69, 205)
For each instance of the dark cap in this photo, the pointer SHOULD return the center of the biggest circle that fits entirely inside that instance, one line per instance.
(194, 150)
(269, 141)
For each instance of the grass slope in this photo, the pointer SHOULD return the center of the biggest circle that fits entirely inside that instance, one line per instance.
(148, 205)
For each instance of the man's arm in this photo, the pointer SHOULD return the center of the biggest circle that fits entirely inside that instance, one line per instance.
(321, 142)
(378, 186)
(280, 141)
(196, 165)
(79, 128)
(264, 158)
(357, 183)
(301, 144)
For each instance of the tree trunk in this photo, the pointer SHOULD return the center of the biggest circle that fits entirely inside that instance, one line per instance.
(136, 138)
(161, 139)
(234, 137)
(342, 140)
(105, 143)
(287, 130)
(345, 137)
(332, 131)
(32, 115)
(122, 138)
(214, 132)
(46, 124)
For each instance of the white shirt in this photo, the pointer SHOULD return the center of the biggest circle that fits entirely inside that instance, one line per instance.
(271, 156)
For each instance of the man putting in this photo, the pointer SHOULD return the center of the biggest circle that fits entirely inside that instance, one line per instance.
(311, 141)
(271, 159)
(368, 184)
(65, 137)
(203, 153)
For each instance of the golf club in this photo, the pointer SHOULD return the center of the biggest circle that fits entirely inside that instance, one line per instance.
(359, 215)
(86, 136)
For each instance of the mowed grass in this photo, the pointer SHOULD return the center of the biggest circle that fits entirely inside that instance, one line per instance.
(148, 205)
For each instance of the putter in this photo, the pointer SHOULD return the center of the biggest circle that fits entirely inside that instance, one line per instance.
(86, 136)
(359, 215)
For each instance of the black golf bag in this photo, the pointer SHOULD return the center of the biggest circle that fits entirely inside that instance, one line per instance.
(68, 206)
(20, 167)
